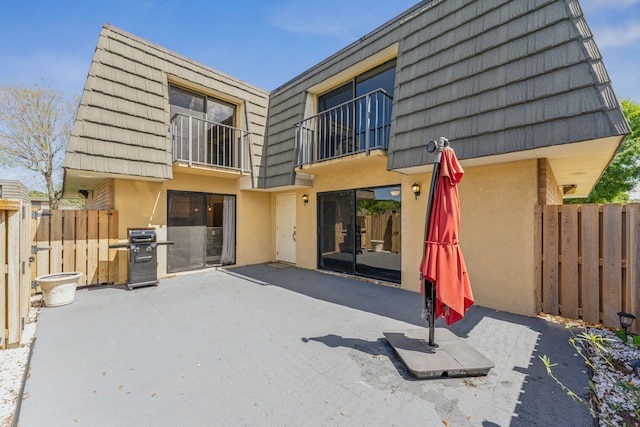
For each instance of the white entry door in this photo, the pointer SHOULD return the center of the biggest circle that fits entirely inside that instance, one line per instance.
(286, 227)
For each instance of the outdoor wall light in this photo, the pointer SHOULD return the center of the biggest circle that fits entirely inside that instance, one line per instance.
(626, 320)
(416, 189)
(305, 199)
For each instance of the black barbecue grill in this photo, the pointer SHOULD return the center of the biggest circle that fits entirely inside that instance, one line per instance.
(143, 256)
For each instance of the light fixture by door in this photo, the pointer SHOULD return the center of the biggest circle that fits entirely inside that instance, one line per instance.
(416, 189)
(305, 199)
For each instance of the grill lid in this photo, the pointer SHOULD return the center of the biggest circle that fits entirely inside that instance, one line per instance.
(142, 235)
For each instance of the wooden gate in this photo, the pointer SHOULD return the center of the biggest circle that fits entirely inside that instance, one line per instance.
(588, 261)
(76, 240)
(15, 287)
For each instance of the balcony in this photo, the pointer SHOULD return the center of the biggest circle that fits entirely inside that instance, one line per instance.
(199, 142)
(357, 126)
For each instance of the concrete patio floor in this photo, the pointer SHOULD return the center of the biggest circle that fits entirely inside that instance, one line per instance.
(281, 346)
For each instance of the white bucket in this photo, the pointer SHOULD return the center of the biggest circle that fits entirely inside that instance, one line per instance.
(59, 288)
(377, 245)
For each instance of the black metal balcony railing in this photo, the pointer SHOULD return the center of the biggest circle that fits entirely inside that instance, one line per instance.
(360, 125)
(199, 141)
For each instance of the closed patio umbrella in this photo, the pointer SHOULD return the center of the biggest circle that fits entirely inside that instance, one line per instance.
(446, 288)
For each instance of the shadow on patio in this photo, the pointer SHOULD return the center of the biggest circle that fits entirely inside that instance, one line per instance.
(513, 342)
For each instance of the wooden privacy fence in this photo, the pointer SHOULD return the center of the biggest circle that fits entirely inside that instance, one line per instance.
(75, 240)
(15, 286)
(383, 228)
(588, 261)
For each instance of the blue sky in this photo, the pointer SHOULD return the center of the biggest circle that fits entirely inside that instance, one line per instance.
(264, 43)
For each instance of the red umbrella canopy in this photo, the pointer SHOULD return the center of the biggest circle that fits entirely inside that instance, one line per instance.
(443, 264)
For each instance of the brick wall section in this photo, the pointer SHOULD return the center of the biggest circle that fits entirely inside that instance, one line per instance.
(549, 192)
(102, 197)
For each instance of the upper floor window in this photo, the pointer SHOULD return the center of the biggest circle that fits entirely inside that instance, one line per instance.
(380, 77)
(183, 101)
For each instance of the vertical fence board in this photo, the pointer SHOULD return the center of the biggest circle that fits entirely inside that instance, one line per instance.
(81, 246)
(43, 225)
(550, 260)
(537, 266)
(3, 274)
(14, 323)
(633, 264)
(31, 241)
(103, 247)
(15, 273)
(611, 263)
(68, 241)
(396, 243)
(25, 267)
(113, 253)
(79, 241)
(569, 261)
(92, 247)
(590, 265)
(55, 260)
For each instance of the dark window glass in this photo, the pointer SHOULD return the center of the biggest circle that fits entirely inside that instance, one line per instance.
(383, 77)
(359, 232)
(336, 97)
(185, 102)
(192, 104)
(199, 224)
(220, 112)
(186, 209)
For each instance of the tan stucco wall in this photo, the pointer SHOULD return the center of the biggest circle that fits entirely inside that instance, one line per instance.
(144, 204)
(497, 221)
(497, 234)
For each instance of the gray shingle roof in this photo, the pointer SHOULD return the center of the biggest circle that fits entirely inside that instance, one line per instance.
(123, 120)
(494, 76)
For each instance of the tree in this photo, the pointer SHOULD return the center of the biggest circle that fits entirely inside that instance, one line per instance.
(35, 126)
(623, 173)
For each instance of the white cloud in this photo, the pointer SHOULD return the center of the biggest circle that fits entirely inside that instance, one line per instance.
(624, 34)
(311, 18)
(608, 4)
(342, 19)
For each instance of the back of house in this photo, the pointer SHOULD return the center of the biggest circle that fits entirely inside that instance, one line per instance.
(319, 172)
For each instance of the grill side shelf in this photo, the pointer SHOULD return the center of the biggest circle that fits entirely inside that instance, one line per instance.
(120, 245)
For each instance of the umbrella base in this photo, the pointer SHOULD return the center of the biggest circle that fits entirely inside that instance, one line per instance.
(452, 357)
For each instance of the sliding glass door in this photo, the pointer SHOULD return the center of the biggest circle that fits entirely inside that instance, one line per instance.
(202, 227)
(336, 235)
(359, 232)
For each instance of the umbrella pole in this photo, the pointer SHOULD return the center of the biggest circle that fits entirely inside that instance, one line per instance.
(429, 293)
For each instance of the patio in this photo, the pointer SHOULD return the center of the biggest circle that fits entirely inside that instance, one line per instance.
(259, 345)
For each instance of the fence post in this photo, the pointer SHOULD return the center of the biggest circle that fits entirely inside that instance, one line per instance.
(633, 264)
